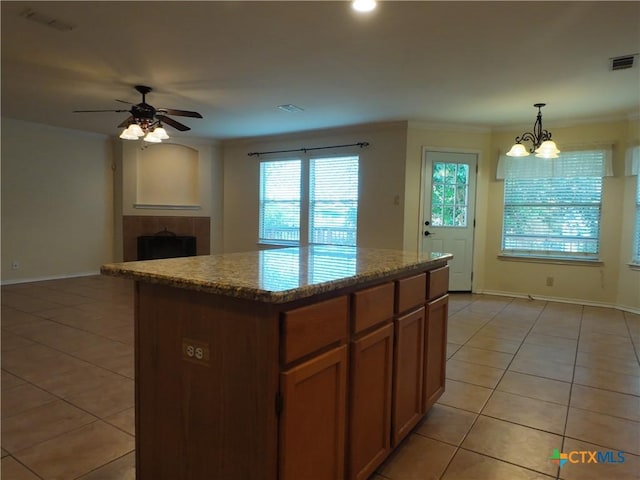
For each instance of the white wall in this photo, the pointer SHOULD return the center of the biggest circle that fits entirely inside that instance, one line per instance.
(380, 211)
(57, 201)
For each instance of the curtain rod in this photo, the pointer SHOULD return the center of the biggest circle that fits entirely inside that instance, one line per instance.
(359, 144)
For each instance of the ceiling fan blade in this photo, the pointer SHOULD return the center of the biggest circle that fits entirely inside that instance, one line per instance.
(127, 122)
(181, 113)
(94, 111)
(123, 101)
(173, 123)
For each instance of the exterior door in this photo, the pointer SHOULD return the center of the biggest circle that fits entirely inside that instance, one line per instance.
(448, 211)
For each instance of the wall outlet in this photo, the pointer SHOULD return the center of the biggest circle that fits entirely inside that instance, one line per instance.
(195, 351)
(15, 265)
(549, 281)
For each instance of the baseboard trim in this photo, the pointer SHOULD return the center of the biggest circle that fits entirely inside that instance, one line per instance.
(545, 298)
(52, 277)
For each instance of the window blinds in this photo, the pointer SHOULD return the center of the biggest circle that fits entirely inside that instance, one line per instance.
(552, 208)
(332, 209)
(333, 200)
(280, 201)
(636, 236)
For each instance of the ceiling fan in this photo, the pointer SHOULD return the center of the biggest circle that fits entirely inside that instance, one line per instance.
(145, 119)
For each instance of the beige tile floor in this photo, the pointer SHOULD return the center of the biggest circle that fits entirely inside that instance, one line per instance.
(523, 378)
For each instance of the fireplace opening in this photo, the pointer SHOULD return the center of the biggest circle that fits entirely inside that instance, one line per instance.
(165, 244)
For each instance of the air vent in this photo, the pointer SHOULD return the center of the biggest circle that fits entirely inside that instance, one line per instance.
(624, 62)
(289, 107)
(46, 20)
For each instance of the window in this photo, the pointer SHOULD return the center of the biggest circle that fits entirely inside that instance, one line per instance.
(280, 201)
(552, 207)
(636, 235)
(330, 215)
(450, 189)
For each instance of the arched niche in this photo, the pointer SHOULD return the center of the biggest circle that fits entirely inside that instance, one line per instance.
(168, 176)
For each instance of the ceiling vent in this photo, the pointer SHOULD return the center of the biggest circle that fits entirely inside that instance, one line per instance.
(46, 20)
(624, 62)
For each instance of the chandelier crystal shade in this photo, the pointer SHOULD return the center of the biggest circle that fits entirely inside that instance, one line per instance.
(542, 145)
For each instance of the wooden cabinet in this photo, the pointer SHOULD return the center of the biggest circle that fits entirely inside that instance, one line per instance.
(407, 374)
(312, 422)
(308, 329)
(435, 347)
(317, 388)
(370, 402)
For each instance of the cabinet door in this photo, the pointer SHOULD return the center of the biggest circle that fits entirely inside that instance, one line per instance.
(435, 345)
(312, 422)
(408, 373)
(370, 412)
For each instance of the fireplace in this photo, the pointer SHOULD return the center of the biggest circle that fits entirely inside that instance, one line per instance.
(134, 226)
(166, 244)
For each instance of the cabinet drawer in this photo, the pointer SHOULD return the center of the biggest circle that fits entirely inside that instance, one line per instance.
(372, 306)
(410, 292)
(310, 328)
(437, 282)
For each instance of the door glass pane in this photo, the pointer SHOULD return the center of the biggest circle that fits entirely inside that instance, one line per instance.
(449, 194)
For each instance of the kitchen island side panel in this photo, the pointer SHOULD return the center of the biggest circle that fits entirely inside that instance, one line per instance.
(207, 413)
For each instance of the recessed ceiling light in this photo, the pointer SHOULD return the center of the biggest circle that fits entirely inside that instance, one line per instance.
(363, 5)
(290, 108)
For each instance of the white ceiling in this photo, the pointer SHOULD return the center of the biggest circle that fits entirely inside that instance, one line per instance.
(478, 64)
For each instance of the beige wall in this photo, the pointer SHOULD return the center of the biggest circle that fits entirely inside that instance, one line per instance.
(597, 284)
(133, 159)
(473, 140)
(380, 211)
(57, 182)
(57, 201)
(629, 279)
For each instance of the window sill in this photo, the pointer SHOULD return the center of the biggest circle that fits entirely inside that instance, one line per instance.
(153, 206)
(278, 243)
(634, 266)
(551, 260)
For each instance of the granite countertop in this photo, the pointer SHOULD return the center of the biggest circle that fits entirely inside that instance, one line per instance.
(276, 275)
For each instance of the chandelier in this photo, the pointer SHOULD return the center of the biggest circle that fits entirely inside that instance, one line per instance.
(542, 145)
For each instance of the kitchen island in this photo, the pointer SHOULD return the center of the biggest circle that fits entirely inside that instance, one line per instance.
(292, 364)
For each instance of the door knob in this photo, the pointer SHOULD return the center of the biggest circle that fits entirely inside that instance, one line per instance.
(427, 223)
(427, 233)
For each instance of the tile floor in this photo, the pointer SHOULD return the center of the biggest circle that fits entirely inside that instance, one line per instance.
(523, 378)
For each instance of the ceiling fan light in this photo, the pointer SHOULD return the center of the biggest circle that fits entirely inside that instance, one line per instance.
(135, 129)
(363, 5)
(517, 150)
(127, 135)
(547, 149)
(160, 133)
(151, 138)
